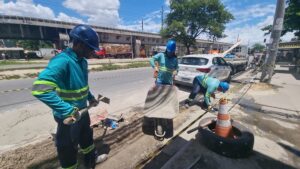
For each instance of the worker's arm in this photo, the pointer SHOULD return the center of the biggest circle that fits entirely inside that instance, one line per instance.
(44, 88)
(175, 72)
(155, 60)
(209, 92)
(207, 98)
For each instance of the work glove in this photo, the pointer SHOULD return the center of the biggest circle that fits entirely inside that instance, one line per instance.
(93, 102)
(73, 117)
(209, 108)
(213, 95)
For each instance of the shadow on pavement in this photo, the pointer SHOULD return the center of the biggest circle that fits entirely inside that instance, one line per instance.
(290, 71)
(183, 154)
(290, 149)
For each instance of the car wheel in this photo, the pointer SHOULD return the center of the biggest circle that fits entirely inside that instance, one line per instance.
(233, 70)
(239, 147)
(228, 80)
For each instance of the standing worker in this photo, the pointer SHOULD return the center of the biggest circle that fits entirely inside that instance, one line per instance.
(206, 85)
(165, 65)
(63, 86)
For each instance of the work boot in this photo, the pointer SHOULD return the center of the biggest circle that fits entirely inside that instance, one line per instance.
(188, 103)
(101, 158)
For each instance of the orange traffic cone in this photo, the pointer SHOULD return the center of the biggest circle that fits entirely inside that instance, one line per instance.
(223, 125)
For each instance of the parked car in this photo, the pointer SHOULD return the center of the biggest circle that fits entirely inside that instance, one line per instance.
(191, 66)
(33, 55)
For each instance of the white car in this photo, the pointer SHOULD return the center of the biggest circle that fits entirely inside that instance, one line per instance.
(191, 66)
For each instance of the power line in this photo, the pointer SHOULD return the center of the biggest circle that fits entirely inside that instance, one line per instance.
(162, 17)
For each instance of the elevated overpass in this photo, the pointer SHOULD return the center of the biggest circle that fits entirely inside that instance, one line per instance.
(19, 27)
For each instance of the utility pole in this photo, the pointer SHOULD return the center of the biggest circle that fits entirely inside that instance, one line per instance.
(162, 17)
(268, 68)
(142, 24)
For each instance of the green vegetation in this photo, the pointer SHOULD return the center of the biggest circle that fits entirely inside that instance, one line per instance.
(127, 66)
(257, 47)
(291, 19)
(12, 62)
(190, 18)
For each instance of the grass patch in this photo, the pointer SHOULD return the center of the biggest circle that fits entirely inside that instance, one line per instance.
(138, 64)
(116, 67)
(12, 62)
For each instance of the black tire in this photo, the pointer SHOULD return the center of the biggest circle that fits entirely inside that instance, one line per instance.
(233, 70)
(240, 147)
(228, 80)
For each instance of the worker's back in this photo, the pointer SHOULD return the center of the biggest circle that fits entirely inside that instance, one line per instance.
(210, 83)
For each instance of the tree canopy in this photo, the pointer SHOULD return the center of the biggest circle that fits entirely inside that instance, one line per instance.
(291, 19)
(257, 47)
(190, 18)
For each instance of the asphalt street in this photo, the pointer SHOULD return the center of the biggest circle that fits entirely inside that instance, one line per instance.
(117, 85)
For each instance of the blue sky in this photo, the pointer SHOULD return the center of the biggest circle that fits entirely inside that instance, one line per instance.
(250, 15)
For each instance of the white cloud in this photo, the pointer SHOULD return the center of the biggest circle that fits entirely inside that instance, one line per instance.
(64, 17)
(254, 11)
(152, 23)
(104, 12)
(30, 9)
(252, 33)
(26, 8)
(251, 13)
(167, 2)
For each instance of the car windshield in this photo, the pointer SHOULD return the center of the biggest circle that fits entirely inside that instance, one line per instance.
(193, 61)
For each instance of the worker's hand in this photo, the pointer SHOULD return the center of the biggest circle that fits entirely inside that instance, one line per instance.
(93, 102)
(156, 69)
(155, 74)
(213, 95)
(209, 108)
(73, 117)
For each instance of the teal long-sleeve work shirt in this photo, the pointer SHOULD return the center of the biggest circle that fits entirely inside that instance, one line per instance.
(63, 85)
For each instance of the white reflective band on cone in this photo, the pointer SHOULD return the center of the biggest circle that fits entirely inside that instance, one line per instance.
(223, 109)
(223, 123)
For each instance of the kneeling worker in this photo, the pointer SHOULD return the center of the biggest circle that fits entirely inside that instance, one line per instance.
(206, 85)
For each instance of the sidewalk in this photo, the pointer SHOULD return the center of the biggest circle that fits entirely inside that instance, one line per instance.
(280, 98)
(271, 112)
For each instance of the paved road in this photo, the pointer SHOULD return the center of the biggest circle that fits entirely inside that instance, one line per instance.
(114, 84)
(25, 119)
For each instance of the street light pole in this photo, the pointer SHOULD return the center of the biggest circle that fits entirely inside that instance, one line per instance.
(268, 68)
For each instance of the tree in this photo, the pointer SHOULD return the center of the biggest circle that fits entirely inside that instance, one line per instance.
(257, 47)
(190, 18)
(291, 19)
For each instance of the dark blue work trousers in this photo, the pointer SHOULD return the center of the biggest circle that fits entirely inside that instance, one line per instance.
(69, 136)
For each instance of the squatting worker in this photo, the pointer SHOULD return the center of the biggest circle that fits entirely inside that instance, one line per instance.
(207, 86)
(63, 86)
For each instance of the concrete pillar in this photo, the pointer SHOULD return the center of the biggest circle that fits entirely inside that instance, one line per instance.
(133, 43)
(41, 32)
(22, 31)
